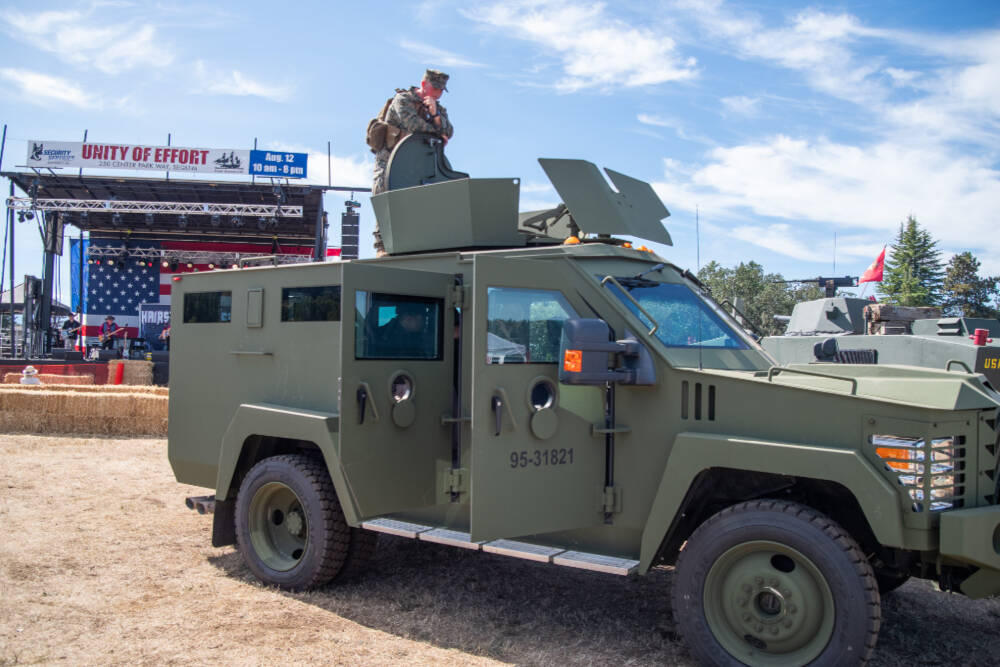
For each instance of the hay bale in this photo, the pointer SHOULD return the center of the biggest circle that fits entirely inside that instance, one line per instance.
(100, 389)
(136, 372)
(83, 410)
(51, 378)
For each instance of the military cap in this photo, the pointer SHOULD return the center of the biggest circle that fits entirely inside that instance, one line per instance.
(437, 78)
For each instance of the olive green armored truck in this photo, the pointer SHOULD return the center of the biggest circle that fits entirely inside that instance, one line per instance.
(886, 335)
(532, 386)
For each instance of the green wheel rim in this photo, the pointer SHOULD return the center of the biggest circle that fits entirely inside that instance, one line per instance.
(279, 530)
(768, 604)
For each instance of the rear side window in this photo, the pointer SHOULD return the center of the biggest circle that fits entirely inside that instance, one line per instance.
(310, 304)
(208, 307)
(396, 326)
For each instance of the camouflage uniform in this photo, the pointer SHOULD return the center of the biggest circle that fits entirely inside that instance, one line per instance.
(407, 112)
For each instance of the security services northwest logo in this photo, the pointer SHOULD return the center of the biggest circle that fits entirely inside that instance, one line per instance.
(36, 151)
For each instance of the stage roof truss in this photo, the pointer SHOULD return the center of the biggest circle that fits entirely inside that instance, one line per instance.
(219, 258)
(171, 208)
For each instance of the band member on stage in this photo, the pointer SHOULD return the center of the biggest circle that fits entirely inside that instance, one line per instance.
(70, 330)
(165, 336)
(109, 333)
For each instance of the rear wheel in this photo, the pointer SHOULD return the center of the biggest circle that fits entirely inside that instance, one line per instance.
(772, 582)
(290, 528)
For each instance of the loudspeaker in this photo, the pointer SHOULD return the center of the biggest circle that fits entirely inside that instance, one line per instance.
(159, 356)
(108, 355)
(72, 355)
(58, 353)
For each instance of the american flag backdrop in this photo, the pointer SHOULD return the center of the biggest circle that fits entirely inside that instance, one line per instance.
(119, 289)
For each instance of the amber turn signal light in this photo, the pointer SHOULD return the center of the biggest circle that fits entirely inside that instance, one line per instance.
(573, 361)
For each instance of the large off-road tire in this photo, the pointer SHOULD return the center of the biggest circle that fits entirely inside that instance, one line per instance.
(290, 528)
(771, 582)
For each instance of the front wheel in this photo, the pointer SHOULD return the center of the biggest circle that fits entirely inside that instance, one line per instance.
(775, 583)
(290, 528)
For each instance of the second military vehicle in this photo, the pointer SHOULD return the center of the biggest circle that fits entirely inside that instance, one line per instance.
(498, 385)
(862, 331)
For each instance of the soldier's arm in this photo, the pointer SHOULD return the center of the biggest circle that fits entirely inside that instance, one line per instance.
(408, 117)
(446, 129)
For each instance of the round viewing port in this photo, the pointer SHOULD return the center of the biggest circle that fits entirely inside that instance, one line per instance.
(402, 388)
(543, 395)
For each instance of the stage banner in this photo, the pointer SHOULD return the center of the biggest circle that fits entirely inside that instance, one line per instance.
(153, 319)
(200, 160)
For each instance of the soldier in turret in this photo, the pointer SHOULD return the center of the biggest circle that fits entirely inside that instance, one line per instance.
(412, 110)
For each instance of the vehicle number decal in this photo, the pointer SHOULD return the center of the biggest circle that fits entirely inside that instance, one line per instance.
(541, 457)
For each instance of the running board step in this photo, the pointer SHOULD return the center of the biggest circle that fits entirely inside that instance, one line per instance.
(535, 552)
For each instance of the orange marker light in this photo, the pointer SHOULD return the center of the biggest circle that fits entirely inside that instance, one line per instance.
(176, 279)
(573, 361)
(895, 453)
(626, 245)
(572, 240)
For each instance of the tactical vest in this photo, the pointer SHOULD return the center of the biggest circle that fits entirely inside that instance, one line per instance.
(381, 134)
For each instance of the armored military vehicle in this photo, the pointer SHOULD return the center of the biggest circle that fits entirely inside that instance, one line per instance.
(846, 328)
(527, 385)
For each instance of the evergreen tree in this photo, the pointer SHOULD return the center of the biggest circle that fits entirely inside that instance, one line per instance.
(764, 294)
(913, 272)
(966, 293)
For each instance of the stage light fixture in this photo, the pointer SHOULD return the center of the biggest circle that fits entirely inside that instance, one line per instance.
(182, 221)
(109, 261)
(262, 222)
(174, 266)
(211, 265)
(20, 216)
(90, 260)
(140, 262)
(149, 218)
(150, 264)
(216, 220)
(273, 221)
(116, 219)
(30, 215)
(165, 264)
(84, 216)
(190, 265)
(235, 266)
(237, 221)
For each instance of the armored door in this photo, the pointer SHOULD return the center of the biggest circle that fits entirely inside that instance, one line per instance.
(397, 360)
(536, 467)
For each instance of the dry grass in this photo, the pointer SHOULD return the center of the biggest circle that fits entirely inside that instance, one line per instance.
(136, 372)
(102, 564)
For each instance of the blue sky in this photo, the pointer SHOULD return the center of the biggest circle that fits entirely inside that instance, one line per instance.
(783, 123)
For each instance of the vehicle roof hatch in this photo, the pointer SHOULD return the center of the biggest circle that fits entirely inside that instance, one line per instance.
(635, 210)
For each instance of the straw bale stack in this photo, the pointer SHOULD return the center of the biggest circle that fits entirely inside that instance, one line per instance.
(51, 378)
(104, 388)
(83, 409)
(136, 372)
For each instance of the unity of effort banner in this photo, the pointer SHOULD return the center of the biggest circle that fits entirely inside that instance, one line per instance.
(42, 154)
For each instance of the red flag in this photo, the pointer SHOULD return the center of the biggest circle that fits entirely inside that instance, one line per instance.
(873, 274)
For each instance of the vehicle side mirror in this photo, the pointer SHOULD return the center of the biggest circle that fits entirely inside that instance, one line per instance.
(588, 356)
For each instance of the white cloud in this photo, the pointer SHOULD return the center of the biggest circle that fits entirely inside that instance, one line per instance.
(435, 57)
(780, 238)
(237, 83)
(674, 124)
(838, 185)
(109, 47)
(44, 89)
(741, 106)
(596, 50)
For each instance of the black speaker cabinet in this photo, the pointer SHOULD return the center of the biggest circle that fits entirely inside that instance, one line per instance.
(108, 355)
(72, 355)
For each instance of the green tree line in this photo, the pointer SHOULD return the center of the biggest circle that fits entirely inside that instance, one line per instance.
(914, 275)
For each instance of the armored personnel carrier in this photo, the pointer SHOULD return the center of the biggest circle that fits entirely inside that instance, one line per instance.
(857, 330)
(527, 385)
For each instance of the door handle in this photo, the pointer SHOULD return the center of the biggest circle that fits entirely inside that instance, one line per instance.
(500, 404)
(365, 397)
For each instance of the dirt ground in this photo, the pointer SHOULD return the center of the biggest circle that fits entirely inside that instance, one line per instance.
(101, 563)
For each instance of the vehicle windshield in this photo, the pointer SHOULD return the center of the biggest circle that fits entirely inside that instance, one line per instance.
(685, 319)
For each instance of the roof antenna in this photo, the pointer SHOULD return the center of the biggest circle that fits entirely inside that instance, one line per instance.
(697, 243)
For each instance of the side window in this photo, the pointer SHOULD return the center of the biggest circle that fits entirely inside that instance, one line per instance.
(395, 326)
(524, 325)
(208, 307)
(310, 304)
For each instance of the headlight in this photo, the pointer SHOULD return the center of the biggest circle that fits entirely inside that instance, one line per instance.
(907, 458)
